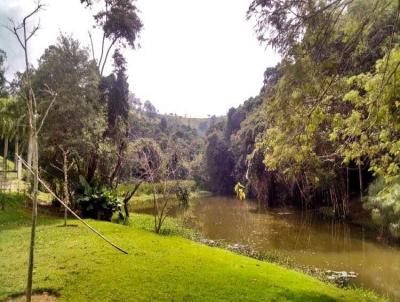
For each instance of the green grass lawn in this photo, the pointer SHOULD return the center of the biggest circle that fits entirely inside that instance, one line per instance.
(80, 267)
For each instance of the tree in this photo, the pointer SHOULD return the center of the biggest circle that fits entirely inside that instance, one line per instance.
(3, 90)
(135, 102)
(6, 120)
(23, 35)
(115, 91)
(323, 43)
(289, 23)
(68, 134)
(163, 124)
(234, 118)
(120, 24)
(384, 201)
(219, 164)
(369, 135)
(147, 163)
(149, 108)
(10, 120)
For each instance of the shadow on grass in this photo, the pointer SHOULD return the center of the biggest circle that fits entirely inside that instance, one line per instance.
(67, 226)
(307, 296)
(45, 294)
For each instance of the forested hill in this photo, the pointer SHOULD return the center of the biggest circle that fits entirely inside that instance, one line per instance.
(325, 129)
(200, 124)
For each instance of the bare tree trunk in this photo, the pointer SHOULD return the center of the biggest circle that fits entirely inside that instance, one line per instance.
(5, 154)
(66, 193)
(92, 166)
(29, 156)
(155, 210)
(117, 166)
(19, 170)
(23, 36)
(35, 169)
(128, 197)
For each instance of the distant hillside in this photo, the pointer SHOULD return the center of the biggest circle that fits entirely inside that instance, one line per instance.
(200, 124)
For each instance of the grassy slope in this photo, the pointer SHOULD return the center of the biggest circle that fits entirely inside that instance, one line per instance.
(81, 267)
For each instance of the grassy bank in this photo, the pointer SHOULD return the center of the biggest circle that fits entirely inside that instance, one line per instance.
(80, 267)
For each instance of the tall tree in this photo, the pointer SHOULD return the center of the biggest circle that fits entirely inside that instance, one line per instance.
(219, 164)
(115, 90)
(120, 23)
(3, 90)
(68, 134)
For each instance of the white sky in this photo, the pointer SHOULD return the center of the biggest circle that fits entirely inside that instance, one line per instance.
(197, 57)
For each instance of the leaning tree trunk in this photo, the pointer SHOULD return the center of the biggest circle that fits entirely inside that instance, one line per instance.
(128, 197)
(5, 157)
(66, 193)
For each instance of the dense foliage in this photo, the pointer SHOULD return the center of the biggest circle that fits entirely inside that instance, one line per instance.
(90, 128)
(326, 121)
(324, 126)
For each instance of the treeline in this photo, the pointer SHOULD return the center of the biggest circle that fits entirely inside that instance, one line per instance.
(325, 128)
(92, 133)
(89, 127)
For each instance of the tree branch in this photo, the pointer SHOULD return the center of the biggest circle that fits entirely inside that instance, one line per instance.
(107, 53)
(34, 30)
(91, 44)
(48, 109)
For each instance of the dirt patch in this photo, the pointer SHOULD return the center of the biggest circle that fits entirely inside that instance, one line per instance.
(42, 297)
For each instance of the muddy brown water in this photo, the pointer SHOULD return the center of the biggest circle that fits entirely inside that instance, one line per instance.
(302, 237)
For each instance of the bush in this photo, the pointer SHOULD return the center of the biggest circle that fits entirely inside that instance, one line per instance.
(183, 194)
(97, 202)
(147, 188)
(384, 202)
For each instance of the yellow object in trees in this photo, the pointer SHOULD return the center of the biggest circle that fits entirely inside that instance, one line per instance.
(239, 190)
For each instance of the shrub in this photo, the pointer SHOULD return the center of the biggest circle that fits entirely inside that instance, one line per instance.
(97, 202)
(183, 194)
(384, 202)
(147, 188)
